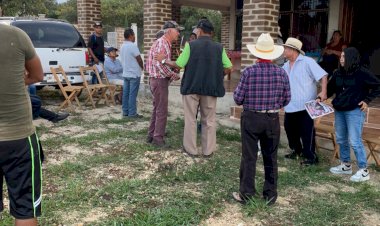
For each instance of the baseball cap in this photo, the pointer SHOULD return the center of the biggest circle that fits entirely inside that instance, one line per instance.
(111, 49)
(205, 25)
(172, 24)
(97, 24)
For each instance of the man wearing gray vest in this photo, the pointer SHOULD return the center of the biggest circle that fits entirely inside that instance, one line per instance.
(205, 63)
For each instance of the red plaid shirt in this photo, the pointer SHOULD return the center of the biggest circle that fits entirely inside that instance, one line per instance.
(155, 68)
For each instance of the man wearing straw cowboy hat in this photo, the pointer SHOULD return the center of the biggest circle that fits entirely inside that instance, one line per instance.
(304, 74)
(263, 90)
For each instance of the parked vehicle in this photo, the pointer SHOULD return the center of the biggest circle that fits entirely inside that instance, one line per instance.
(56, 42)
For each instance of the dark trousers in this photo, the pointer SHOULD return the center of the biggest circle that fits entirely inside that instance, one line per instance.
(39, 111)
(300, 131)
(160, 90)
(263, 127)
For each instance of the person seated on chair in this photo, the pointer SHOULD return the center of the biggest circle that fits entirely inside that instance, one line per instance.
(114, 71)
(331, 53)
(39, 112)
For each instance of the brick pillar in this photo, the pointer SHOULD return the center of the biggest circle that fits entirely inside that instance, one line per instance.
(225, 30)
(119, 36)
(155, 13)
(88, 13)
(176, 16)
(259, 16)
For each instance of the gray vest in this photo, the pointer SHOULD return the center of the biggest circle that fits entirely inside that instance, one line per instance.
(204, 71)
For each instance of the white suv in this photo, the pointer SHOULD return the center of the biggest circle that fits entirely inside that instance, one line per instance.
(57, 43)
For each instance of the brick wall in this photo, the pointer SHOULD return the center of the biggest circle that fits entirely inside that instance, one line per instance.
(176, 16)
(225, 30)
(155, 13)
(120, 36)
(259, 16)
(88, 13)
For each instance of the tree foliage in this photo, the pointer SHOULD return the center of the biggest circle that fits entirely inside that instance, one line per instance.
(122, 13)
(68, 11)
(26, 7)
(190, 17)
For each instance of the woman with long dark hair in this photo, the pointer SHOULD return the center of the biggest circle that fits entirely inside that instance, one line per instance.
(331, 53)
(354, 88)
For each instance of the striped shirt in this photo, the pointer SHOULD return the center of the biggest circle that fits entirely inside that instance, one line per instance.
(155, 68)
(263, 86)
(303, 78)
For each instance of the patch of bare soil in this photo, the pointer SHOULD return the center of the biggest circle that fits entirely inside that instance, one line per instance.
(109, 172)
(65, 153)
(231, 216)
(323, 188)
(160, 160)
(63, 130)
(371, 218)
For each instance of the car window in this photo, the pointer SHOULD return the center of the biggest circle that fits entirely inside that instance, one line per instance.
(50, 34)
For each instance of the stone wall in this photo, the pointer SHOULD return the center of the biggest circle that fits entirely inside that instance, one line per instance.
(88, 13)
(259, 16)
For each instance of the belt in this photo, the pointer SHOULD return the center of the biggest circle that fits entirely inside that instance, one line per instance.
(266, 111)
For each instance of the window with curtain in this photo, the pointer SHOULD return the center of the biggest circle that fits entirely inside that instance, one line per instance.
(306, 20)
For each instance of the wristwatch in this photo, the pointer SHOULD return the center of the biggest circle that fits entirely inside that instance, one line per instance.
(163, 61)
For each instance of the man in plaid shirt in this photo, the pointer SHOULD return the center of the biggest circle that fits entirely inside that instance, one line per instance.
(160, 76)
(263, 90)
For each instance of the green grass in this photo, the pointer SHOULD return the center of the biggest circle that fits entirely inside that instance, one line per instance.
(180, 190)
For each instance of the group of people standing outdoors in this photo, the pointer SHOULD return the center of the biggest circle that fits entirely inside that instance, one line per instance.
(264, 89)
(124, 72)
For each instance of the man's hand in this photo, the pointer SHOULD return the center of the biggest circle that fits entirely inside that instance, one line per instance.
(159, 56)
(174, 78)
(322, 96)
(363, 105)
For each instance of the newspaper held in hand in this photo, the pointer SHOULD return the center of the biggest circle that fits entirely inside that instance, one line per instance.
(316, 110)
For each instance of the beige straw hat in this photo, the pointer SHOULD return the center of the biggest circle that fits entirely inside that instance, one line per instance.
(294, 44)
(265, 48)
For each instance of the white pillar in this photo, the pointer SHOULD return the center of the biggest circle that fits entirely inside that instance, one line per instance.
(134, 28)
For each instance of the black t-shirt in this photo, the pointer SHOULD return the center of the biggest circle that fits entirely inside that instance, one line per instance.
(96, 43)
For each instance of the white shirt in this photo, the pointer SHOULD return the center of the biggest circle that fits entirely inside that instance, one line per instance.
(303, 78)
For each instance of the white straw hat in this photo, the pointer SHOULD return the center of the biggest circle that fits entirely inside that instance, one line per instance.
(265, 48)
(294, 44)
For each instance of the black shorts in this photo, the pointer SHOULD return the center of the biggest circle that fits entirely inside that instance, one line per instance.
(20, 164)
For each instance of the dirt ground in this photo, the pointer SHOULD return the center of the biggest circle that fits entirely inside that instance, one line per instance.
(233, 214)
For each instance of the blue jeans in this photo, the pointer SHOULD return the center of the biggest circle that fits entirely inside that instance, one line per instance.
(348, 130)
(32, 89)
(130, 90)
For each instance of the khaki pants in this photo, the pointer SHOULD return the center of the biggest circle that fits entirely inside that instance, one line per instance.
(207, 106)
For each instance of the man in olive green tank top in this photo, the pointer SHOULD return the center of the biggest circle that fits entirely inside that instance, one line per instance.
(20, 160)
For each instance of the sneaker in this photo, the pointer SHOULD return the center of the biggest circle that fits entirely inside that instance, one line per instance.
(360, 175)
(343, 168)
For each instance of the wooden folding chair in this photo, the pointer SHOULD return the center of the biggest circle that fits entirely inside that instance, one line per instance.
(104, 80)
(326, 132)
(372, 144)
(69, 91)
(92, 89)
